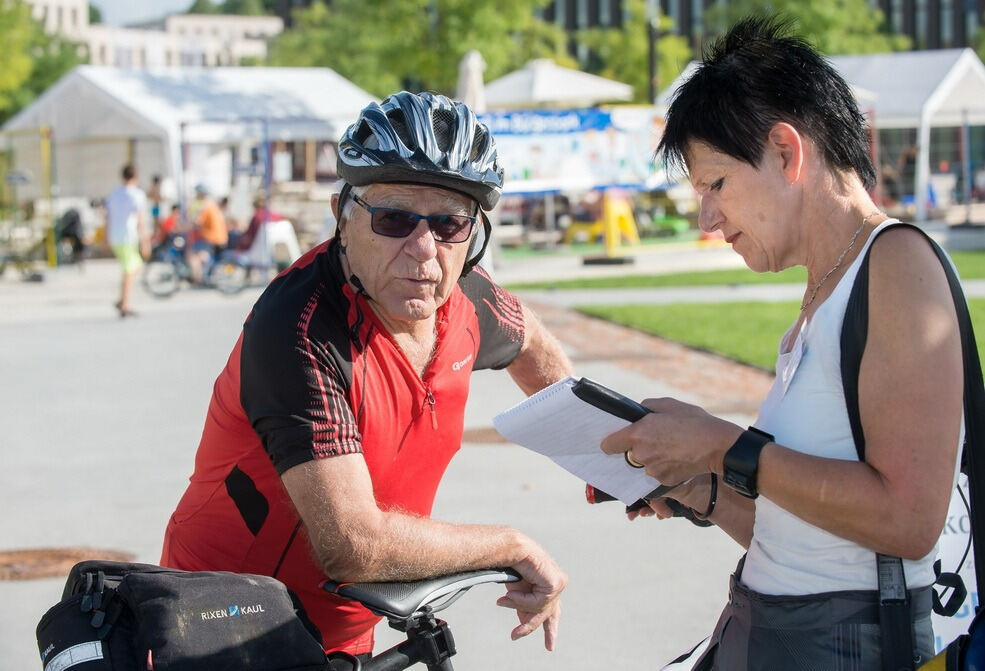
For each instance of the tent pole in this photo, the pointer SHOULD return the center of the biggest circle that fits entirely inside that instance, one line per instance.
(966, 165)
(921, 189)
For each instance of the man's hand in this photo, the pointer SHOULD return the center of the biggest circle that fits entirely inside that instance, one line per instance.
(537, 596)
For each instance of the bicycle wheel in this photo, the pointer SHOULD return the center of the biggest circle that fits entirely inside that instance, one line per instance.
(229, 276)
(161, 278)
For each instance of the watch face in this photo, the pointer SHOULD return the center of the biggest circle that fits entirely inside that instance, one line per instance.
(742, 462)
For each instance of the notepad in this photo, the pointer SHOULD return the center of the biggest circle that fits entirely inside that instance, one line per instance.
(565, 423)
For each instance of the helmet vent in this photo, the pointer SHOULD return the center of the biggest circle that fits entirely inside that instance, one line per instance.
(480, 142)
(364, 136)
(399, 125)
(443, 124)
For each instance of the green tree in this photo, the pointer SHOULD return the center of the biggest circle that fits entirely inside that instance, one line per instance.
(624, 53)
(834, 27)
(203, 7)
(243, 7)
(31, 60)
(417, 44)
(95, 14)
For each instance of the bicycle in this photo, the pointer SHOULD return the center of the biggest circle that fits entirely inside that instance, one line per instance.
(409, 607)
(168, 269)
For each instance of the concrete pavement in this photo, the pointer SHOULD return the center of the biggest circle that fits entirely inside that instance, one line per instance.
(101, 416)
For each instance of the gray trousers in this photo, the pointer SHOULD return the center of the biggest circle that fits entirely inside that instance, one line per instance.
(833, 631)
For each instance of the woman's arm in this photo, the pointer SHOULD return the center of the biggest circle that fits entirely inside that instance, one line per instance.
(910, 400)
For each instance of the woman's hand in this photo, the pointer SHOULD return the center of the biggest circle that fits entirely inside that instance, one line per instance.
(675, 442)
(695, 494)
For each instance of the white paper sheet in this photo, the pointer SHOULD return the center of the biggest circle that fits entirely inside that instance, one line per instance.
(556, 423)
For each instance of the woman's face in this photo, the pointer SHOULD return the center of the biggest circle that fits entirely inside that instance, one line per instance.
(746, 203)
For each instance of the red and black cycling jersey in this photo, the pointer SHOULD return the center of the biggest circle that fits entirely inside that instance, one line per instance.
(315, 374)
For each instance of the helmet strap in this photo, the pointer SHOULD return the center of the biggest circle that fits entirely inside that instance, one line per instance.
(473, 259)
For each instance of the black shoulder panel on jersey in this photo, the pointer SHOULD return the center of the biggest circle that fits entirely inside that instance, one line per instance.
(296, 364)
(500, 315)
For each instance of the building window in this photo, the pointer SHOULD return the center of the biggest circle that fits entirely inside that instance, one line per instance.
(58, 19)
(674, 11)
(921, 23)
(74, 18)
(896, 15)
(581, 13)
(947, 23)
(970, 23)
(697, 18)
(605, 13)
(561, 13)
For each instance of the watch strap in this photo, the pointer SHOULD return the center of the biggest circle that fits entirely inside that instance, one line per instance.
(741, 463)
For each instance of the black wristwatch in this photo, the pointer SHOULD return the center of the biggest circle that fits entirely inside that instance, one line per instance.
(742, 461)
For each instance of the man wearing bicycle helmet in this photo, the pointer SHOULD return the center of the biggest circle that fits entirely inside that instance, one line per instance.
(343, 401)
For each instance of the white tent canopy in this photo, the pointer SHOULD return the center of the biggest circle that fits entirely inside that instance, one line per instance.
(909, 89)
(172, 106)
(543, 83)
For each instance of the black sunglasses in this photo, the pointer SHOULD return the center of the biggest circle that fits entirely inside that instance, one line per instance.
(394, 223)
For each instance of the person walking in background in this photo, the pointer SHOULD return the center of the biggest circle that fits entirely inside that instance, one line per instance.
(209, 234)
(126, 231)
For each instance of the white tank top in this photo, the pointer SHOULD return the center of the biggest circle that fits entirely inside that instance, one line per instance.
(805, 411)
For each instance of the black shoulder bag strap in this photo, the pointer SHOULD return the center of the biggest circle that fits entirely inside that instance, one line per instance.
(895, 624)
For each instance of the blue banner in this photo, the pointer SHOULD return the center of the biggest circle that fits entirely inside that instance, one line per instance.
(546, 122)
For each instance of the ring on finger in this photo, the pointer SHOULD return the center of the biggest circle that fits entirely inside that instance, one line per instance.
(628, 455)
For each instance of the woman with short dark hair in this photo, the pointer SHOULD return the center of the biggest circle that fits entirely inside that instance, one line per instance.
(773, 142)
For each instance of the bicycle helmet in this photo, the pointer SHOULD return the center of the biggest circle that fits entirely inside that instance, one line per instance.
(425, 139)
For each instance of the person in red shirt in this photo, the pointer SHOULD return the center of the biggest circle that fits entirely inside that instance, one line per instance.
(343, 401)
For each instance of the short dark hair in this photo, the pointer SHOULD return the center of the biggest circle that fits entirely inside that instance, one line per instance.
(128, 172)
(755, 76)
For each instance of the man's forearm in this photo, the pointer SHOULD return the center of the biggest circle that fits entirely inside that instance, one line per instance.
(397, 546)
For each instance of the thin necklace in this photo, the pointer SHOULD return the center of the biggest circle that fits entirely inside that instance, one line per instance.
(841, 259)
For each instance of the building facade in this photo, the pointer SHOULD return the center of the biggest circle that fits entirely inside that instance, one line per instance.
(930, 24)
(176, 40)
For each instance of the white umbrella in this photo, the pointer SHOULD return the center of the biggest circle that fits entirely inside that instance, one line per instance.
(471, 90)
(543, 83)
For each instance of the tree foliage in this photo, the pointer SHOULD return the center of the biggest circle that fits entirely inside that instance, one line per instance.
(624, 53)
(95, 14)
(31, 60)
(833, 27)
(417, 44)
(203, 7)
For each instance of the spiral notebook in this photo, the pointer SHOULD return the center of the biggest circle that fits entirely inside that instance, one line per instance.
(567, 422)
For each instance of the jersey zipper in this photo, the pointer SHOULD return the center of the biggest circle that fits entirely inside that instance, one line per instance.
(430, 401)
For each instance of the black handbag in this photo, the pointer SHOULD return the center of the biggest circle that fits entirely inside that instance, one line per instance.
(117, 616)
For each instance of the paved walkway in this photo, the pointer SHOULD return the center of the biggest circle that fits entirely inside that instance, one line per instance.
(101, 416)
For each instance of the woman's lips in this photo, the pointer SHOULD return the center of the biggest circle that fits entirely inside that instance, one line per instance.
(732, 238)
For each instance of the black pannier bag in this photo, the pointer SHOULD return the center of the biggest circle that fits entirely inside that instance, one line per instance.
(117, 616)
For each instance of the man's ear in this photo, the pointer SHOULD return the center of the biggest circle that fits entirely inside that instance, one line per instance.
(788, 145)
(335, 205)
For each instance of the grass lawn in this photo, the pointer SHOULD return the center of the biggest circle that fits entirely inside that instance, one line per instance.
(971, 265)
(745, 331)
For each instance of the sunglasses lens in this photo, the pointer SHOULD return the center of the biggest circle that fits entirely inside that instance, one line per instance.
(451, 227)
(394, 223)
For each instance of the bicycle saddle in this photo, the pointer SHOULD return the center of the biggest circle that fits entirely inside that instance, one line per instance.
(403, 600)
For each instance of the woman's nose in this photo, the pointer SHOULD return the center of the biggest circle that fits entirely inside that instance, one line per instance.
(708, 217)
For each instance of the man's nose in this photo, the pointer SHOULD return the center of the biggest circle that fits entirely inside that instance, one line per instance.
(421, 243)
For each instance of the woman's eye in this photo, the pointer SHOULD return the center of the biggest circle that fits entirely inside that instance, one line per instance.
(717, 184)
